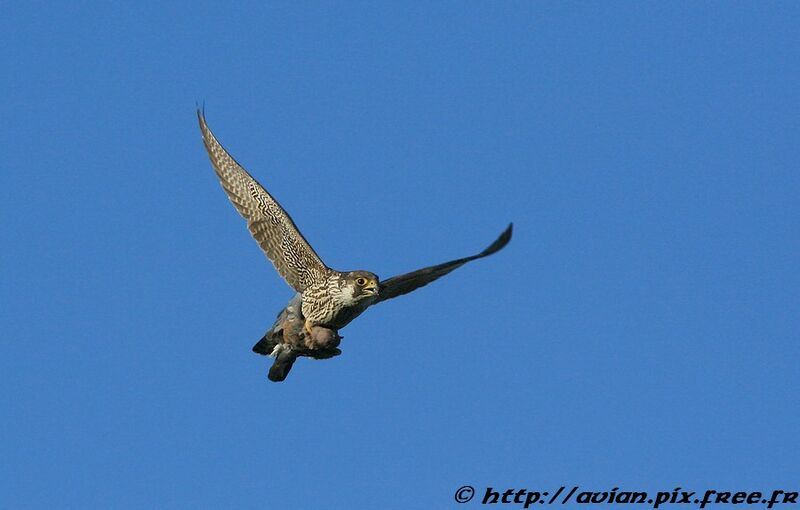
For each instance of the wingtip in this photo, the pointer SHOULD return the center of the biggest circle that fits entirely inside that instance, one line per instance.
(505, 237)
(200, 109)
(500, 242)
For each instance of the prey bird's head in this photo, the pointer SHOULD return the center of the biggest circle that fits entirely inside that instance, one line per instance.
(362, 283)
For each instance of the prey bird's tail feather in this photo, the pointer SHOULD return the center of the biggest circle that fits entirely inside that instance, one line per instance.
(284, 360)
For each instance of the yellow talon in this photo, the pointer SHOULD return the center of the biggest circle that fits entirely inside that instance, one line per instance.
(307, 327)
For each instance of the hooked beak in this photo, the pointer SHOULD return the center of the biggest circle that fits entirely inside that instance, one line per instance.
(373, 288)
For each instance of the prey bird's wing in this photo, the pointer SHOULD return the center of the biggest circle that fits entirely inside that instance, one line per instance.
(405, 283)
(270, 225)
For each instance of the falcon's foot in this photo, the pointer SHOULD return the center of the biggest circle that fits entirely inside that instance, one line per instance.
(322, 339)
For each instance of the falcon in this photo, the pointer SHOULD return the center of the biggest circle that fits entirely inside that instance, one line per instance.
(326, 300)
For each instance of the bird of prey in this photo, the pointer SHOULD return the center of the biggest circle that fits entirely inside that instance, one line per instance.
(327, 300)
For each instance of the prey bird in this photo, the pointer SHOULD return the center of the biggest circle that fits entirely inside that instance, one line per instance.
(326, 300)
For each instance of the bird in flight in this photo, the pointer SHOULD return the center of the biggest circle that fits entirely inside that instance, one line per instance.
(327, 299)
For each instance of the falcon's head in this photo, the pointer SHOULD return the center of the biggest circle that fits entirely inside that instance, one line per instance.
(362, 284)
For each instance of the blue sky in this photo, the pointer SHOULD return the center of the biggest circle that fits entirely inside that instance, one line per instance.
(640, 331)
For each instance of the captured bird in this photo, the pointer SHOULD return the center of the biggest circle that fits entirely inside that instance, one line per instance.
(326, 300)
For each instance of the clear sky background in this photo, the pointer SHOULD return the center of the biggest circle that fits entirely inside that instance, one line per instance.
(639, 331)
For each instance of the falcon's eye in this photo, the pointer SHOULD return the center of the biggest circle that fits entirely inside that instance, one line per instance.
(361, 281)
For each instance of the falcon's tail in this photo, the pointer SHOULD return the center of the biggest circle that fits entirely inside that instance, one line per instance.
(266, 345)
(271, 338)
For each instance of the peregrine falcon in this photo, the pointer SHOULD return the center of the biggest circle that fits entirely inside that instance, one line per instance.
(327, 300)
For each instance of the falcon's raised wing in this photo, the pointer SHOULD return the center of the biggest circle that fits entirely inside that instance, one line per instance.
(270, 225)
(405, 283)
